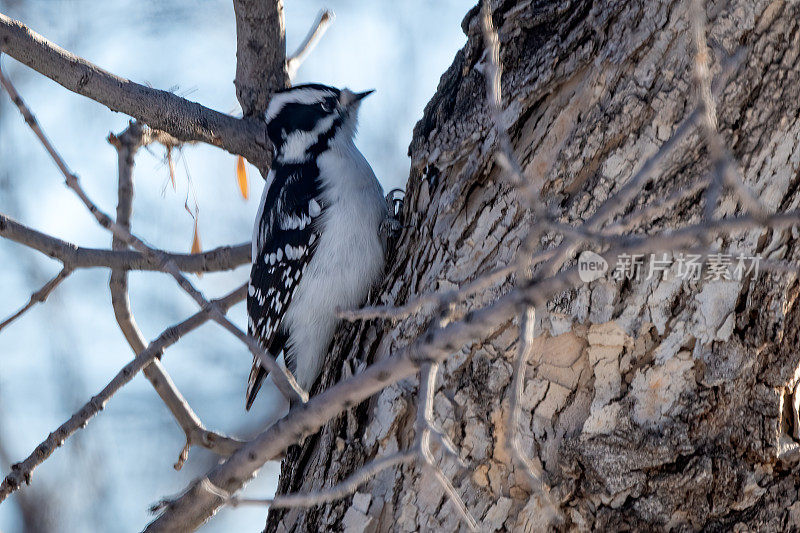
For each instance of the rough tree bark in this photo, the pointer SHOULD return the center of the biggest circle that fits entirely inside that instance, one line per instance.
(658, 403)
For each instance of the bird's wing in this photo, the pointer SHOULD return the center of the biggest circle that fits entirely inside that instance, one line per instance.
(286, 236)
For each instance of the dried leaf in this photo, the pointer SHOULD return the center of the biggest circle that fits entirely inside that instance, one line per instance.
(241, 176)
(196, 246)
(171, 164)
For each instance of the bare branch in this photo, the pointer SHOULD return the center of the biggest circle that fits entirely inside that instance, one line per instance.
(493, 71)
(127, 143)
(283, 379)
(424, 427)
(260, 53)
(218, 259)
(445, 299)
(725, 170)
(39, 296)
(707, 107)
(453, 495)
(341, 490)
(324, 19)
(505, 158)
(433, 299)
(21, 472)
(359, 477)
(534, 472)
(655, 210)
(350, 485)
(181, 118)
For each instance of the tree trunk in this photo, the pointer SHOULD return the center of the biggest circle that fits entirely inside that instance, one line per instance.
(658, 403)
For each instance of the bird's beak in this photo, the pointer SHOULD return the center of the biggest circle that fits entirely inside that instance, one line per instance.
(350, 99)
(360, 96)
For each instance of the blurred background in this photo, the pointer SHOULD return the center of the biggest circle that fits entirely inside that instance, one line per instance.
(62, 352)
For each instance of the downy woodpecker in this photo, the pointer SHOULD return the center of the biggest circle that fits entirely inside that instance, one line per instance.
(316, 246)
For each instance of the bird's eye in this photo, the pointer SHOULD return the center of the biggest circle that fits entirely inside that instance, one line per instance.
(326, 108)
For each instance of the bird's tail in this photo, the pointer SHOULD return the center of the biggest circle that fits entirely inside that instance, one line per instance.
(257, 375)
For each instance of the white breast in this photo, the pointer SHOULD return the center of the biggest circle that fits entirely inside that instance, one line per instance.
(348, 260)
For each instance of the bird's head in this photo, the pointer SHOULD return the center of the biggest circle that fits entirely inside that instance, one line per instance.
(306, 120)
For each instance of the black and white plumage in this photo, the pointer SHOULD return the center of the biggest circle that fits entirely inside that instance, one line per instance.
(316, 246)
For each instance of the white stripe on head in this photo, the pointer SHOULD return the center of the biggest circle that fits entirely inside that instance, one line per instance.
(296, 144)
(303, 95)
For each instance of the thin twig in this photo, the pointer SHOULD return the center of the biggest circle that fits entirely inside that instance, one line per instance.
(21, 472)
(534, 472)
(339, 491)
(507, 160)
(707, 107)
(39, 296)
(127, 143)
(725, 170)
(445, 299)
(424, 425)
(530, 190)
(655, 210)
(346, 488)
(435, 299)
(359, 477)
(324, 20)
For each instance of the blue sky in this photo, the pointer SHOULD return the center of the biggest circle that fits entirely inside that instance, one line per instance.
(64, 351)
